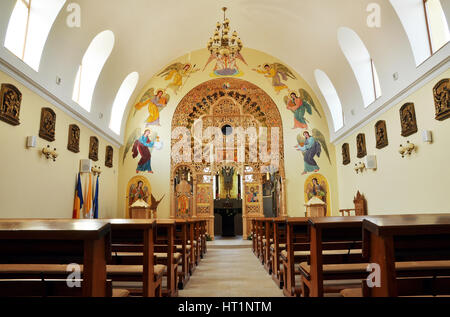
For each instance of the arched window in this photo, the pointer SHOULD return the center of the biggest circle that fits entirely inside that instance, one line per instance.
(331, 97)
(28, 28)
(362, 64)
(425, 24)
(121, 101)
(91, 66)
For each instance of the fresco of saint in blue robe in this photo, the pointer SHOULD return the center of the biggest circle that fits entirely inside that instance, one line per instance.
(310, 150)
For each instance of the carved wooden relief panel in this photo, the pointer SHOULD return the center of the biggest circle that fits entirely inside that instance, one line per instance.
(345, 154)
(109, 156)
(48, 124)
(361, 145)
(93, 149)
(441, 94)
(408, 119)
(10, 102)
(381, 134)
(73, 143)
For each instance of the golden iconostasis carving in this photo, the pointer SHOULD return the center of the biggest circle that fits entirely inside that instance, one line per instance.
(228, 103)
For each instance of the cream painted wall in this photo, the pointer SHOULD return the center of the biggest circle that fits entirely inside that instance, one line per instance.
(160, 180)
(34, 187)
(416, 184)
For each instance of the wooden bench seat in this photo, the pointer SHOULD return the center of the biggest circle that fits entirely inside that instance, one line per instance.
(282, 246)
(411, 287)
(50, 288)
(59, 270)
(412, 251)
(284, 253)
(64, 241)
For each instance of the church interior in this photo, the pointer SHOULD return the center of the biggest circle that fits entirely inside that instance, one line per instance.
(251, 148)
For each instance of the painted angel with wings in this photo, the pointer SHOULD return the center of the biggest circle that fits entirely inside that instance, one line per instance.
(277, 72)
(311, 146)
(226, 63)
(155, 103)
(142, 145)
(176, 72)
(300, 105)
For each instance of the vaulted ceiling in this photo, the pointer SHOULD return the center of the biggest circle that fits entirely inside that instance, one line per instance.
(151, 33)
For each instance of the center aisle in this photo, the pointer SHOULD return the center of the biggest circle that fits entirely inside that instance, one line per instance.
(230, 269)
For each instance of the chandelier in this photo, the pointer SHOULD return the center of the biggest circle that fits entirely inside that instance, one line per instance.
(221, 42)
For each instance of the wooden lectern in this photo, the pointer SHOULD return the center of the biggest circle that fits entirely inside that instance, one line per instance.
(316, 208)
(140, 210)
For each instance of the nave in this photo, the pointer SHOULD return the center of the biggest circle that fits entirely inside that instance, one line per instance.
(230, 269)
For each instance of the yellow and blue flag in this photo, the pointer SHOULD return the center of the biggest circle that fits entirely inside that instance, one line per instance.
(78, 202)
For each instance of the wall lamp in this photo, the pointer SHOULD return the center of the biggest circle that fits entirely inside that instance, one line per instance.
(407, 149)
(96, 170)
(49, 153)
(360, 167)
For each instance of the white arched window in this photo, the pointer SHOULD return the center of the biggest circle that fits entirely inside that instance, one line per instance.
(331, 97)
(28, 28)
(121, 101)
(425, 24)
(362, 64)
(91, 66)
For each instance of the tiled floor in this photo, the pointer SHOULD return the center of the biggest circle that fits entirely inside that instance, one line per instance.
(228, 271)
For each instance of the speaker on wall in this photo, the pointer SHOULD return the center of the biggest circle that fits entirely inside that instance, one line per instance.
(85, 166)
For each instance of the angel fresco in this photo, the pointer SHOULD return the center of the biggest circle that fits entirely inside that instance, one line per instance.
(142, 145)
(311, 146)
(226, 63)
(176, 72)
(300, 105)
(277, 72)
(155, 103)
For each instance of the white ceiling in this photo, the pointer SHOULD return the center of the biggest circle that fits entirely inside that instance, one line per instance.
(151, 33)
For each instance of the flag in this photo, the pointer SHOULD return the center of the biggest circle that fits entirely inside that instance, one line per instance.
(88, 200)
(96, 200)
(78, 201)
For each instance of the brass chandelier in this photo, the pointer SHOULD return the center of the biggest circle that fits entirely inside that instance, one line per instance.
(221, 42)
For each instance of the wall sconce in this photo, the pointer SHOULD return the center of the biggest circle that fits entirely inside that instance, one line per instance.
(96, 170)
(407, 149)
(360, 167)
(49, 153)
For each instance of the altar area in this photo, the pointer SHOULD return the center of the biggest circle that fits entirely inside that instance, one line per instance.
(227, 183)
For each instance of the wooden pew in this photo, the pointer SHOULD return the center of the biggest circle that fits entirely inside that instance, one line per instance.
(47, 288)
(165, 251)
(38, 243)
(192, 244)
(253, 235)
(203, 233)
(133, 255)
(197, 241)
(279, 244)
(413, 252)
(297, 251)
(182, 246)
(267, 242)
(335, 253)
(259, 238)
